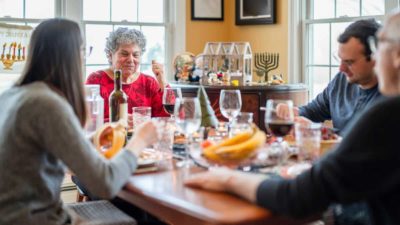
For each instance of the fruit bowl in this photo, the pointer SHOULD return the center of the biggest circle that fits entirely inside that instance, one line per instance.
(237, 151)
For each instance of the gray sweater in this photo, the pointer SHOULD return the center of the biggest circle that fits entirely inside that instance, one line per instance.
(41, 137)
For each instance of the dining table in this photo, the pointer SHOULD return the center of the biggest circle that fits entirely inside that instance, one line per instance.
(162, 193)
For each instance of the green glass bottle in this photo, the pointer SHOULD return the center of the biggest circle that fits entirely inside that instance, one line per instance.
(118, 101)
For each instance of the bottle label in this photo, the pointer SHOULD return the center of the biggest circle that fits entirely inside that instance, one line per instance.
(123, 112)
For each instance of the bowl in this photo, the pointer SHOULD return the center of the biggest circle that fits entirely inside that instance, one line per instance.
(328, 145)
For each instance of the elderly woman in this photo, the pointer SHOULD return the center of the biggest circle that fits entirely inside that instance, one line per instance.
(364, 167)
(124, 48)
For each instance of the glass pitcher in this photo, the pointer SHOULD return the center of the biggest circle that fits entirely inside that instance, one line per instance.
(95, 106)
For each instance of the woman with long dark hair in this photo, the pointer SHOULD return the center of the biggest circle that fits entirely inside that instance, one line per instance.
(41, 120)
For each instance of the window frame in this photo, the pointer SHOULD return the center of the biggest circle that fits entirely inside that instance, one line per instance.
(299, 14)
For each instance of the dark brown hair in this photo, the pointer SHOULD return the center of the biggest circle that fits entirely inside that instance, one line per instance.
(362, 30)
(54, 57)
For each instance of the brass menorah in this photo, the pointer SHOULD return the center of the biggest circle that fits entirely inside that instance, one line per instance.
(264, 63)
(9, 59)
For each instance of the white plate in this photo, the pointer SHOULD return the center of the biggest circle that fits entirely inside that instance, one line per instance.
(146, 162)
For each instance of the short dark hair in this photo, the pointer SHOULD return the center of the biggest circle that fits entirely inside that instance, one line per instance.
(362, 30)
(54, 57)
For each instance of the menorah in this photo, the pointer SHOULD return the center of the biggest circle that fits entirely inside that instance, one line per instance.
(264, 63)
(9, 59)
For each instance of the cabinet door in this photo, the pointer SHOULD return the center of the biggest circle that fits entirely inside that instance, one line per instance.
(250, 103)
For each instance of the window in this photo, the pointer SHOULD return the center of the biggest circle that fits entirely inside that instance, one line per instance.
(26, 12)
(149, 16)
(324, 21)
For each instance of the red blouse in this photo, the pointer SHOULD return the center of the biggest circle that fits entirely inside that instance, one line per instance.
(145, 91)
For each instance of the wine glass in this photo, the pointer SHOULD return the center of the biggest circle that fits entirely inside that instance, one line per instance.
(230, 103)
(170, 95)
(279, 127)
(188, 119)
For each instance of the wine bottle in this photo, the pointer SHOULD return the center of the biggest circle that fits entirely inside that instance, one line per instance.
(118, 101)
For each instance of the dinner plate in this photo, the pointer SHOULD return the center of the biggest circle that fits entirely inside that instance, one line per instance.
(148, 157)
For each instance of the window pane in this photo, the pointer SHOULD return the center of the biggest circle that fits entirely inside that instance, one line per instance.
(91, 69)
(319, 79)
(146, 69)
(129, 27)
(96, 37)
(373, 7)
(46, 9)
(337, 29)
(323, 9)
(155, 44)
(124, 10)
(151, 11)
(319, 44)
(12, 8)
(96, 10)
(347, 8)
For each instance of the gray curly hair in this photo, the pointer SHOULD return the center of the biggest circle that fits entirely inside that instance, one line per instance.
(124, 35)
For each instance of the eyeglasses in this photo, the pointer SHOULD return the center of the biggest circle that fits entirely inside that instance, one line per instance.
(373, 42)
(348, 62)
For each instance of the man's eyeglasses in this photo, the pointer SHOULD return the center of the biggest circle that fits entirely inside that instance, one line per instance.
(348, 62)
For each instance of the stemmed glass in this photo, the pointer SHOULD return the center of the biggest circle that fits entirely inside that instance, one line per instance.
(279, 127)
(230, 103)
(170, 95)
(188, 119)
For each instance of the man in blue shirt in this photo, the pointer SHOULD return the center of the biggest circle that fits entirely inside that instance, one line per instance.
(355, 86)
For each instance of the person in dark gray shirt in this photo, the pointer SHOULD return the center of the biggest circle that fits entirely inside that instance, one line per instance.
(354, 88)
(363, 167)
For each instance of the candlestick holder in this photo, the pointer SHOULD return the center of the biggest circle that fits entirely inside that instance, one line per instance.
(9, 60)
(264, 63)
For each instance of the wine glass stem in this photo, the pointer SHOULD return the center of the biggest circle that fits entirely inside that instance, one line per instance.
(187, 149)
(230, 127)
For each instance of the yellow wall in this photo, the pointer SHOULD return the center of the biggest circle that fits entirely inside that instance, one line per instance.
(262, 38)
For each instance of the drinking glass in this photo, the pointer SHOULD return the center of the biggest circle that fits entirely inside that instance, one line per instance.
(279, 127)
(230, 103)
(140, 115)
(169, 97)
(188, 119)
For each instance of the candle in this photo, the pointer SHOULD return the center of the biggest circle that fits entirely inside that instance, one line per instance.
(23, 52)
(9, 49)
(14, 47)
(19, 51)
(4, 48)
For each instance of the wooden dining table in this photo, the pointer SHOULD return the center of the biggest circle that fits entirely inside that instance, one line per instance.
(163, 194)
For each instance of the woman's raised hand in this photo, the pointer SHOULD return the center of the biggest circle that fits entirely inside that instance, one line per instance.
(158, 70)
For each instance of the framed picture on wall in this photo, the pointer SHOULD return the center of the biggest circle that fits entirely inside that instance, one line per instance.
(207, 9)
(250, 12)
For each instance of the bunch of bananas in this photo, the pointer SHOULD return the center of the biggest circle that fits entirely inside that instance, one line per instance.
(237, 148)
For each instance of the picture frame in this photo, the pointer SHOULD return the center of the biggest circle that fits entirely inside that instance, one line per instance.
(207, 9)
(255, 12)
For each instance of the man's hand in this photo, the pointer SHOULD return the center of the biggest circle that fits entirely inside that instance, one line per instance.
(282, 110)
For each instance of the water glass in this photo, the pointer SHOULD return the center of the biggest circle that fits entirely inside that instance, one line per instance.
(140, 114)
(95, 106)
(242, 123)
(308, 140)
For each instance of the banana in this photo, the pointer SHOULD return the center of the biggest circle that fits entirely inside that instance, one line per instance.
(244, 149)
(230, 141)
(236, 149)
